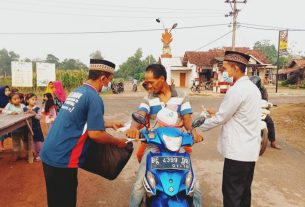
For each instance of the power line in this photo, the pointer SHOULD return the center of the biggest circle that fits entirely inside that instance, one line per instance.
(222, 36)
(115, 9)
(34, 12)
(271, 28)
(106, 32)
(69, 3)
(259, 25)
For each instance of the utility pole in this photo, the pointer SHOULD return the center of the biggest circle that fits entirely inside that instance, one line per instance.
(234, 14)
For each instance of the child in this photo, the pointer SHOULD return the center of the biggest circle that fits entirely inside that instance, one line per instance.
(166, 117)
(4, 93)
(38, 138)
(49, 110)
(15, 107)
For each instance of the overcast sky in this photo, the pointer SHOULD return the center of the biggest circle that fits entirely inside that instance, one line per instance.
(57, 16)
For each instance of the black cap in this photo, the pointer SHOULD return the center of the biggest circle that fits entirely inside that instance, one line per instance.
(238, 57)
(102, 65)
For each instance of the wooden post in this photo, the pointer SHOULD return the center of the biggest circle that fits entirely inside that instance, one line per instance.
(278, 63)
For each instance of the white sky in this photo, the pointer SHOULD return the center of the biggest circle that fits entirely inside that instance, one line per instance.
(43, 16)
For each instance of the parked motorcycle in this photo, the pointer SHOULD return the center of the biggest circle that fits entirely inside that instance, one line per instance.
(117, 88)
(195, 88)
(134, 87)
(169, 178)
(206, 85)
(264, 129)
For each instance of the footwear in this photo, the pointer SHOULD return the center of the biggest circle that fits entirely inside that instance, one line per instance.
(37, 159)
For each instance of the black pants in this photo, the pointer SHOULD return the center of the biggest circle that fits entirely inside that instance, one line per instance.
(271, 129)
(236, 183)
(61, 186)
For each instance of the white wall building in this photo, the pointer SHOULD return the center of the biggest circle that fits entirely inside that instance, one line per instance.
(182, 76)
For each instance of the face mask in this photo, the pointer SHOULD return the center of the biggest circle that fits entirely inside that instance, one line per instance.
(226, 77)
(107, 88)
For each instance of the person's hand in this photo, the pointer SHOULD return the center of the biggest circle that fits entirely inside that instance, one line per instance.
(198, 138)
(117, 124)
(212, 112)
(30, 111)
(14, 113)
(133, 133)
(122, 143)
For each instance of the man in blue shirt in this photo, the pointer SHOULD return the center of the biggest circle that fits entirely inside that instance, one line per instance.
(80, 121)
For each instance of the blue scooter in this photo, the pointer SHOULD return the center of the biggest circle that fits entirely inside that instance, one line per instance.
(169, 178)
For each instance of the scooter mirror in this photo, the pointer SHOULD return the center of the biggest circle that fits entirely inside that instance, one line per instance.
(198, 122)
(139, 118)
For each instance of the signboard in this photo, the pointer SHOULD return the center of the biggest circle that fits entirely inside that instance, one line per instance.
(283, 42)
(45, 73)
(22, 74)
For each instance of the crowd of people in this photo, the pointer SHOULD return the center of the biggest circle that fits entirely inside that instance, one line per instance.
(75, 121)
(13, 102)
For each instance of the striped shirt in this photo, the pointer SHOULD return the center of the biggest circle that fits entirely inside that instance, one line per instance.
(152, 104)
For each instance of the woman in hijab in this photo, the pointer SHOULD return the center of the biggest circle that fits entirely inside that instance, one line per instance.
(4, 93)
(58, 93)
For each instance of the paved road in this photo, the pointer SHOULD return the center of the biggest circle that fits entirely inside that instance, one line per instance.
(279, 176)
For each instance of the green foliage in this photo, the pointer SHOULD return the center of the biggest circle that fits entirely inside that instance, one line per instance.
(270, 51)
(72, 64)
(118, 80)
(134, 66)
(285, 83)
(267, 49)
(139, 76)
(5, 61)
(52, 59)
(96, 55)
(71, 78)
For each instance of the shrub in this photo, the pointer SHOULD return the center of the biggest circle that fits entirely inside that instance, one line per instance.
(285, 83)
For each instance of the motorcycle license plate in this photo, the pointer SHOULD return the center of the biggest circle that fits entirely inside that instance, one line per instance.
(170, 162)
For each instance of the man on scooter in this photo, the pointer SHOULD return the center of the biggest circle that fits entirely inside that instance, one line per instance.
(160, 94)
(270, 124)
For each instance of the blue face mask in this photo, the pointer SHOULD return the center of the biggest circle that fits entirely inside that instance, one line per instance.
(226, 77)
(105, 89)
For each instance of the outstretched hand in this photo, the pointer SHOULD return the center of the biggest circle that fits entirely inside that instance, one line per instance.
(122, 143)
(133, 133)
(198, 138)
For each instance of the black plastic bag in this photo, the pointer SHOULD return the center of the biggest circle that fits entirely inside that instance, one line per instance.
(106, 160)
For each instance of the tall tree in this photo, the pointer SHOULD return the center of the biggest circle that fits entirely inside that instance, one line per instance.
(270, 51)
(52, 59)
(135, 65)
(72, 64)
(96, 55)
(267, 49)
(6, 58)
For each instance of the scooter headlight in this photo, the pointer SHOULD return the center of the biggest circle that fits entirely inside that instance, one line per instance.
(172, 143)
